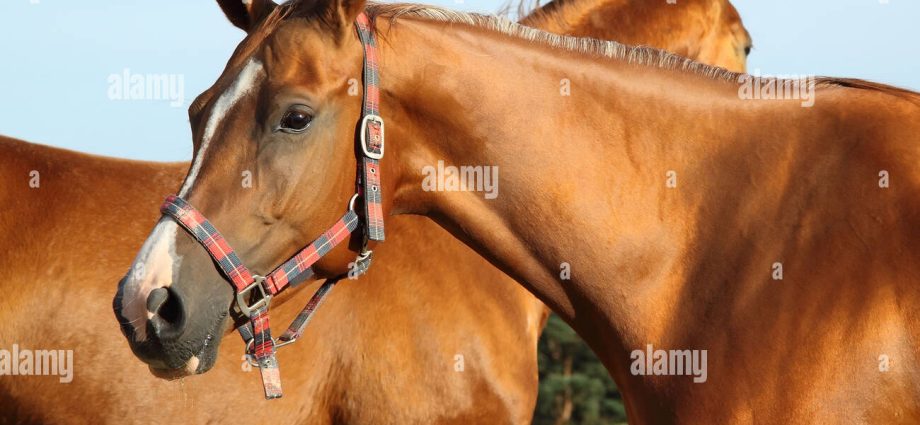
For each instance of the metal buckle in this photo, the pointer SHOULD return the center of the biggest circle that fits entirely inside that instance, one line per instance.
(363, 136)
(243, 297)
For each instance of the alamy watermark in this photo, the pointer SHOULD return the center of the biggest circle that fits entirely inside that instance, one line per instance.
(26, 362)
(777, 87)
(465, 178)
(669, 363)
(128, 85)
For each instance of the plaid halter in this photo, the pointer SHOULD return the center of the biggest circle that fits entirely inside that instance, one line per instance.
(254, 292)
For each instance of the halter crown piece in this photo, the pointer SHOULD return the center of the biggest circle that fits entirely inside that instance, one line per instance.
(254, 292)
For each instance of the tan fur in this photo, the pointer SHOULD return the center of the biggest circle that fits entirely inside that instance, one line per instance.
(584, 182)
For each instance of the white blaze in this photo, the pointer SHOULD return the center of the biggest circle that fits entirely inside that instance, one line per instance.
(240, 87)
(153, 267)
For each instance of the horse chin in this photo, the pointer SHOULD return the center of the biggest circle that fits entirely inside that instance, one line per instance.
(199, 362)
(170, 374)
(206, 358)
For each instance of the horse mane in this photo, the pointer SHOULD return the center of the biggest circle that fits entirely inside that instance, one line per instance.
(640, 55)
(855, 83)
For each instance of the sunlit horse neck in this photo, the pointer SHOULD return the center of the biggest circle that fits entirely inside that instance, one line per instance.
(666, 188)
(674, 199)
(705, 30)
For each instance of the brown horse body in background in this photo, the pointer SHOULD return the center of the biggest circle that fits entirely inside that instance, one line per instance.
(715, 35)
(382, 350)
(389, 348)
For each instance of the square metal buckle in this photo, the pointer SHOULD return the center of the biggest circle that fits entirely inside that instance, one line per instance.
(244, 297)
(363, 135)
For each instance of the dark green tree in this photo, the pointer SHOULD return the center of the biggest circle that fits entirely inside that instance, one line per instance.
(574, 385)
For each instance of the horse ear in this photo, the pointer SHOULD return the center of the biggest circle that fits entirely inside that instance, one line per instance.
(346, 11)
(246, 14)
(337, 15)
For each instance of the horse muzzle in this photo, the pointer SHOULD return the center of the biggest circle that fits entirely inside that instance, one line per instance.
(171, 344)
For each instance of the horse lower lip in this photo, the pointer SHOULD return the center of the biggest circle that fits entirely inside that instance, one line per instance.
(190, 368)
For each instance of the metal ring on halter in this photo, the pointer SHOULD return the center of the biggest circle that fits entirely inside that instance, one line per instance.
(351, 202)
(364, 255)
(279, 343)
(251, 358)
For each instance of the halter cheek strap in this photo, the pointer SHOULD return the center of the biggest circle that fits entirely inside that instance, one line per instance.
(254, 292)
(370, 135)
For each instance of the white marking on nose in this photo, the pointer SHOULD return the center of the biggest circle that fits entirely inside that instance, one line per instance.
(243, 84)
(152, 268)
(192, 365)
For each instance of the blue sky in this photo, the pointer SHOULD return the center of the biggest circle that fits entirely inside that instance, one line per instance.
(63, 57)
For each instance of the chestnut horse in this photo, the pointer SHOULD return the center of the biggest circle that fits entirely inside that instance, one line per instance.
(679, 27)
(336, 384)
(652, 202)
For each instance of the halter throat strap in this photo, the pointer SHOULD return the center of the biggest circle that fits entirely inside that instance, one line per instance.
(254, 292)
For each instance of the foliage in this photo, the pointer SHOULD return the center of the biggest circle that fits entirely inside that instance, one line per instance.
(575, 388)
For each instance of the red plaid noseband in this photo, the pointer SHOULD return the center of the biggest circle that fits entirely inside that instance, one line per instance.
(254, 292)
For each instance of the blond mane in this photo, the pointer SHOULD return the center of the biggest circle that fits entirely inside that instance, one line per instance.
(641, 55)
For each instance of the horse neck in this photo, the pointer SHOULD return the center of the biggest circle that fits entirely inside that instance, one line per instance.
(468, 97)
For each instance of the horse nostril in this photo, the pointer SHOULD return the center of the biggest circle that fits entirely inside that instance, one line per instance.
(156, 299)
(164, 303)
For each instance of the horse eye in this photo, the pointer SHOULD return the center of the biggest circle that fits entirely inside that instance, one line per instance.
(295, 121)
(747, 50)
